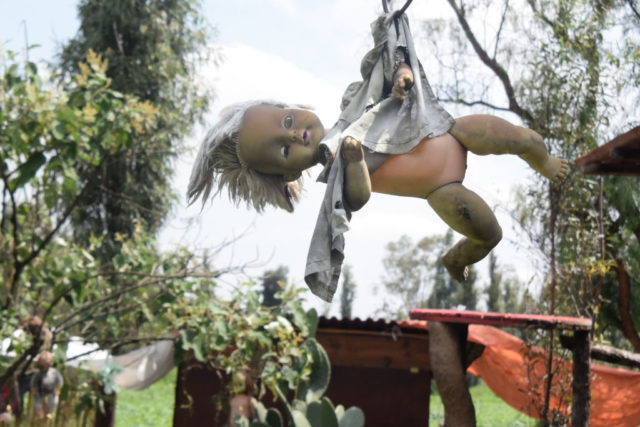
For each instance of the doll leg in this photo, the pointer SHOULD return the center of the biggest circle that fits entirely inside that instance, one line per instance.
(465, 212)
(484, 134)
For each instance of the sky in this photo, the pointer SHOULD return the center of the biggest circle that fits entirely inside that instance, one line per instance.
(304, 52)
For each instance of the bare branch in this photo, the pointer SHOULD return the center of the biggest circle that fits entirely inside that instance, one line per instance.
(492, 64)
(633, 8)
(502, 20)
(472, 103)
(540, 14)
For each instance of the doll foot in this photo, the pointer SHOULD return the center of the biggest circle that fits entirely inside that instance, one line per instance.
(459, 273)
(555, 168)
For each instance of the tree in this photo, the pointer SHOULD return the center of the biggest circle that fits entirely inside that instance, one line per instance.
(493, 291)
(567, 69)
(503, 289)
(152, 49)
(415, 277)
(348, 292)
(273, 281)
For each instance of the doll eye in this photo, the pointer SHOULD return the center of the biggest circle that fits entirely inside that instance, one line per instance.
(287, 122)
(284, 151)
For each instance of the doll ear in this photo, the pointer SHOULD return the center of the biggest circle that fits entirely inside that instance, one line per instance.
(292, 176)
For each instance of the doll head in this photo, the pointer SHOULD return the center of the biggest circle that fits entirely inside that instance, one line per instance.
(258, 151)
(45, 360)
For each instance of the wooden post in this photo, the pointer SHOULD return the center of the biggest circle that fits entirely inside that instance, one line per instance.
(447, 345)
(581, 380)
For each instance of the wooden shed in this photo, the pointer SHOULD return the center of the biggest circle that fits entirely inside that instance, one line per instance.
(620, 156)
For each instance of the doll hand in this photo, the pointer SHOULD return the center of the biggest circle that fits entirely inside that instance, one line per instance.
(352, 150)
(403, 80)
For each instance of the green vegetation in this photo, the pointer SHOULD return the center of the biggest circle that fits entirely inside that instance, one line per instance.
(491, 411)
(151, 407)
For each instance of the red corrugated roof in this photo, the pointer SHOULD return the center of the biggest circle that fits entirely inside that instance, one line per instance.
(373, 325)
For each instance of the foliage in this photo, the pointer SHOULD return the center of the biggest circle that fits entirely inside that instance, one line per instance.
(503, 288)
(153, 49)
(260, 349)
(272, 282)
(410, 269)
(246, 340)
(44, 132)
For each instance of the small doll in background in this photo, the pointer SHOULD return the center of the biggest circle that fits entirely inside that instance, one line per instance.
(45, 386)
(6, 417)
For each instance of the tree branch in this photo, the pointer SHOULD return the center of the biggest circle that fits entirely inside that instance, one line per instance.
(492, 64)
(21, 264)
(11, 296)
(633, 8)
(502, 20)
(472, 103)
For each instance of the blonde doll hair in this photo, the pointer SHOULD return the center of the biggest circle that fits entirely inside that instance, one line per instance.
(218, 165)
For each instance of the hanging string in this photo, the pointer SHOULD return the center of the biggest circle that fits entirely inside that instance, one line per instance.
(397, 13)
(385, 6)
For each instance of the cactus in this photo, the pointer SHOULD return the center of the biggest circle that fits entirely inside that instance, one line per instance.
(353, 417)
(309, 408)
(320, 373)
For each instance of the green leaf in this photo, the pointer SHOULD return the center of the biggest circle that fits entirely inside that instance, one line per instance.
(312, 321)
(59, 130)
(28, 169)
(320, 372)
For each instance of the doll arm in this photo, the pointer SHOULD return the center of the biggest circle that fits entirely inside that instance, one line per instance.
(357, 185)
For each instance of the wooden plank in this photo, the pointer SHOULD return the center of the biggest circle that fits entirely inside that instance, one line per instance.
(618, 156)
(503, 319)
(606, 353)
(379, 350)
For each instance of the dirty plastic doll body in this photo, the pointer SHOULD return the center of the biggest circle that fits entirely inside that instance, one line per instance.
(284, 142)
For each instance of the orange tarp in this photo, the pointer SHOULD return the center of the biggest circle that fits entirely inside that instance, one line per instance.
(516, 373)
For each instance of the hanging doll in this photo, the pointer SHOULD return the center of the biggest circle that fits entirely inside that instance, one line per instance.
(45, 386)
(392, 137)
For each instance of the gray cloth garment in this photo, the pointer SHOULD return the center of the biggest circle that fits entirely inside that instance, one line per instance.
(43, 386)
(383, 124)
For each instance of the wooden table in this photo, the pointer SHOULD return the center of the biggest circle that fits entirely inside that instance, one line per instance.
(457, 322)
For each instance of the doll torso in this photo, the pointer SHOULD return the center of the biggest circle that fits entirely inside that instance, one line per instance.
(434, 162)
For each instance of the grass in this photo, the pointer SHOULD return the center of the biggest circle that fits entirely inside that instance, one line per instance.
(152, 407)
(491, 411)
